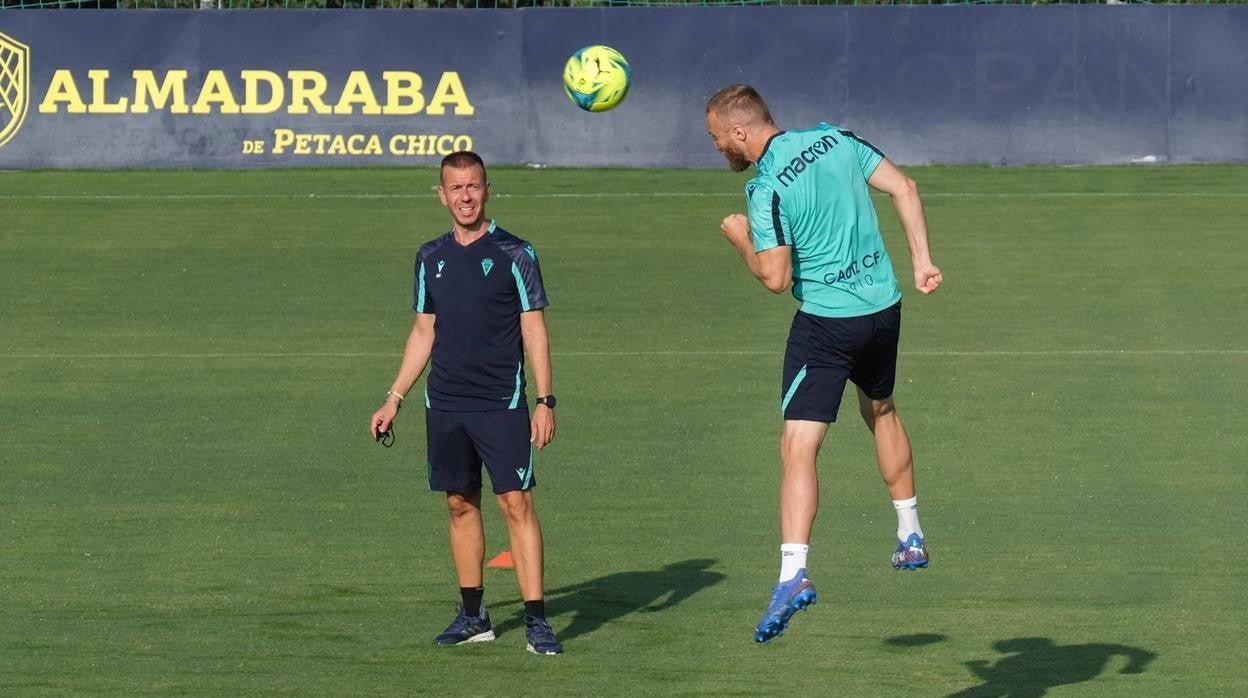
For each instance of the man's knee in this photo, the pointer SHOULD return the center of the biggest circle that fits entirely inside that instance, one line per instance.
(868, 414)
(516, 506)
(873, 411)
(800, 441)
(461, 504)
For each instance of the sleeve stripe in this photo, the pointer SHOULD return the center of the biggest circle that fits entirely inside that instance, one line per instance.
(775, 219)
(520, 287)
(854, 136)
(420, 287)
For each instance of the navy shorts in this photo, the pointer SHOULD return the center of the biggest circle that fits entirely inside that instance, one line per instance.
(461, 442)
(824, 352)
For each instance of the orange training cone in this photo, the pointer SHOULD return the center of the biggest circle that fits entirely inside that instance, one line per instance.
(501, 561)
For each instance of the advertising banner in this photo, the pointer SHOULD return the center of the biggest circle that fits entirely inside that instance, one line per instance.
(258, 88)
(1070, 84)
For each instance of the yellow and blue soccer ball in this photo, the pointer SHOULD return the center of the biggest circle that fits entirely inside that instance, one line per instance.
(596, 78)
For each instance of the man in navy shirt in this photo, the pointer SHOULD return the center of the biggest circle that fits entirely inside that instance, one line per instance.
(478, 302)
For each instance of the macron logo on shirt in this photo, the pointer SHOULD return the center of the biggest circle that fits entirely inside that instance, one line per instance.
(805, 158)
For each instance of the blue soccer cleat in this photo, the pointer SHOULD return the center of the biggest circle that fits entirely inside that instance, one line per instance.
(911, 553)
(466, 628)
(787, 598)
(541, 639)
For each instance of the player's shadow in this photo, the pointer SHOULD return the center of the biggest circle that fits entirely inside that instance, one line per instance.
(916, 640)
(596, 602)
(1034, 664)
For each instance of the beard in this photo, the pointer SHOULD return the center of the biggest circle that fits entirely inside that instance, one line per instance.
(736, 161)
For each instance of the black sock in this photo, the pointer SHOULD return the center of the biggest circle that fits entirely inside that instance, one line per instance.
(472, 600)
(537, 609)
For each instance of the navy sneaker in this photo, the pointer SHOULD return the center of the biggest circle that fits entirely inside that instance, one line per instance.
(787, 598)
(466, 629)
(541, 638)
(911, 553)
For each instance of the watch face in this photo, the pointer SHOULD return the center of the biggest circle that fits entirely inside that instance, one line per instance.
(548, 401)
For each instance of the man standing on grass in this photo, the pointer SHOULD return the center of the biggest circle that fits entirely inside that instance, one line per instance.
(479, 300)
(811, 223)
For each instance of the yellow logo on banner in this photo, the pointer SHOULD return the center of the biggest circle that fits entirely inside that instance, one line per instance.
(14, 86)
(264, 92)
(246, 92)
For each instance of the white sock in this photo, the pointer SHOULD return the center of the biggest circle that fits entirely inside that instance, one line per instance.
(792, 559)
(907, 517)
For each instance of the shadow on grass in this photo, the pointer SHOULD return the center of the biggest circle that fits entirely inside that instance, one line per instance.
(1032, 665)
(916, 640)
(596, 602)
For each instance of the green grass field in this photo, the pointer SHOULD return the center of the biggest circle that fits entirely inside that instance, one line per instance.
(189, 503)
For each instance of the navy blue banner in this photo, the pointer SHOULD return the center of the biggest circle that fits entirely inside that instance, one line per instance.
(258, 88)
(967, 84)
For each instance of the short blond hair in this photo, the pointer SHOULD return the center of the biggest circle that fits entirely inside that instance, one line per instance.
(740, 103)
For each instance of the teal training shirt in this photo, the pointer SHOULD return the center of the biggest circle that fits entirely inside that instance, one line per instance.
(811, 194)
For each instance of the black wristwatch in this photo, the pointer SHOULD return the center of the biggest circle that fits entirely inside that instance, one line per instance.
(547, 400)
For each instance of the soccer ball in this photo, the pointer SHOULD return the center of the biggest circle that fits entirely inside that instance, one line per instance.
(596, 78)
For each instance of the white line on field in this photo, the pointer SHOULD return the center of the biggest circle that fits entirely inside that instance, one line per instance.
(608, 354)
(589, 195)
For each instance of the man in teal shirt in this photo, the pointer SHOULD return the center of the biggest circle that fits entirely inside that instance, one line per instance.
(811, 224)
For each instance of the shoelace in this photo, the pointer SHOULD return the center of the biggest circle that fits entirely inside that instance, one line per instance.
(541, 631)
(461, 622)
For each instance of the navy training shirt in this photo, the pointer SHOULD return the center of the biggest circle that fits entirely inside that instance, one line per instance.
(477, 293)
